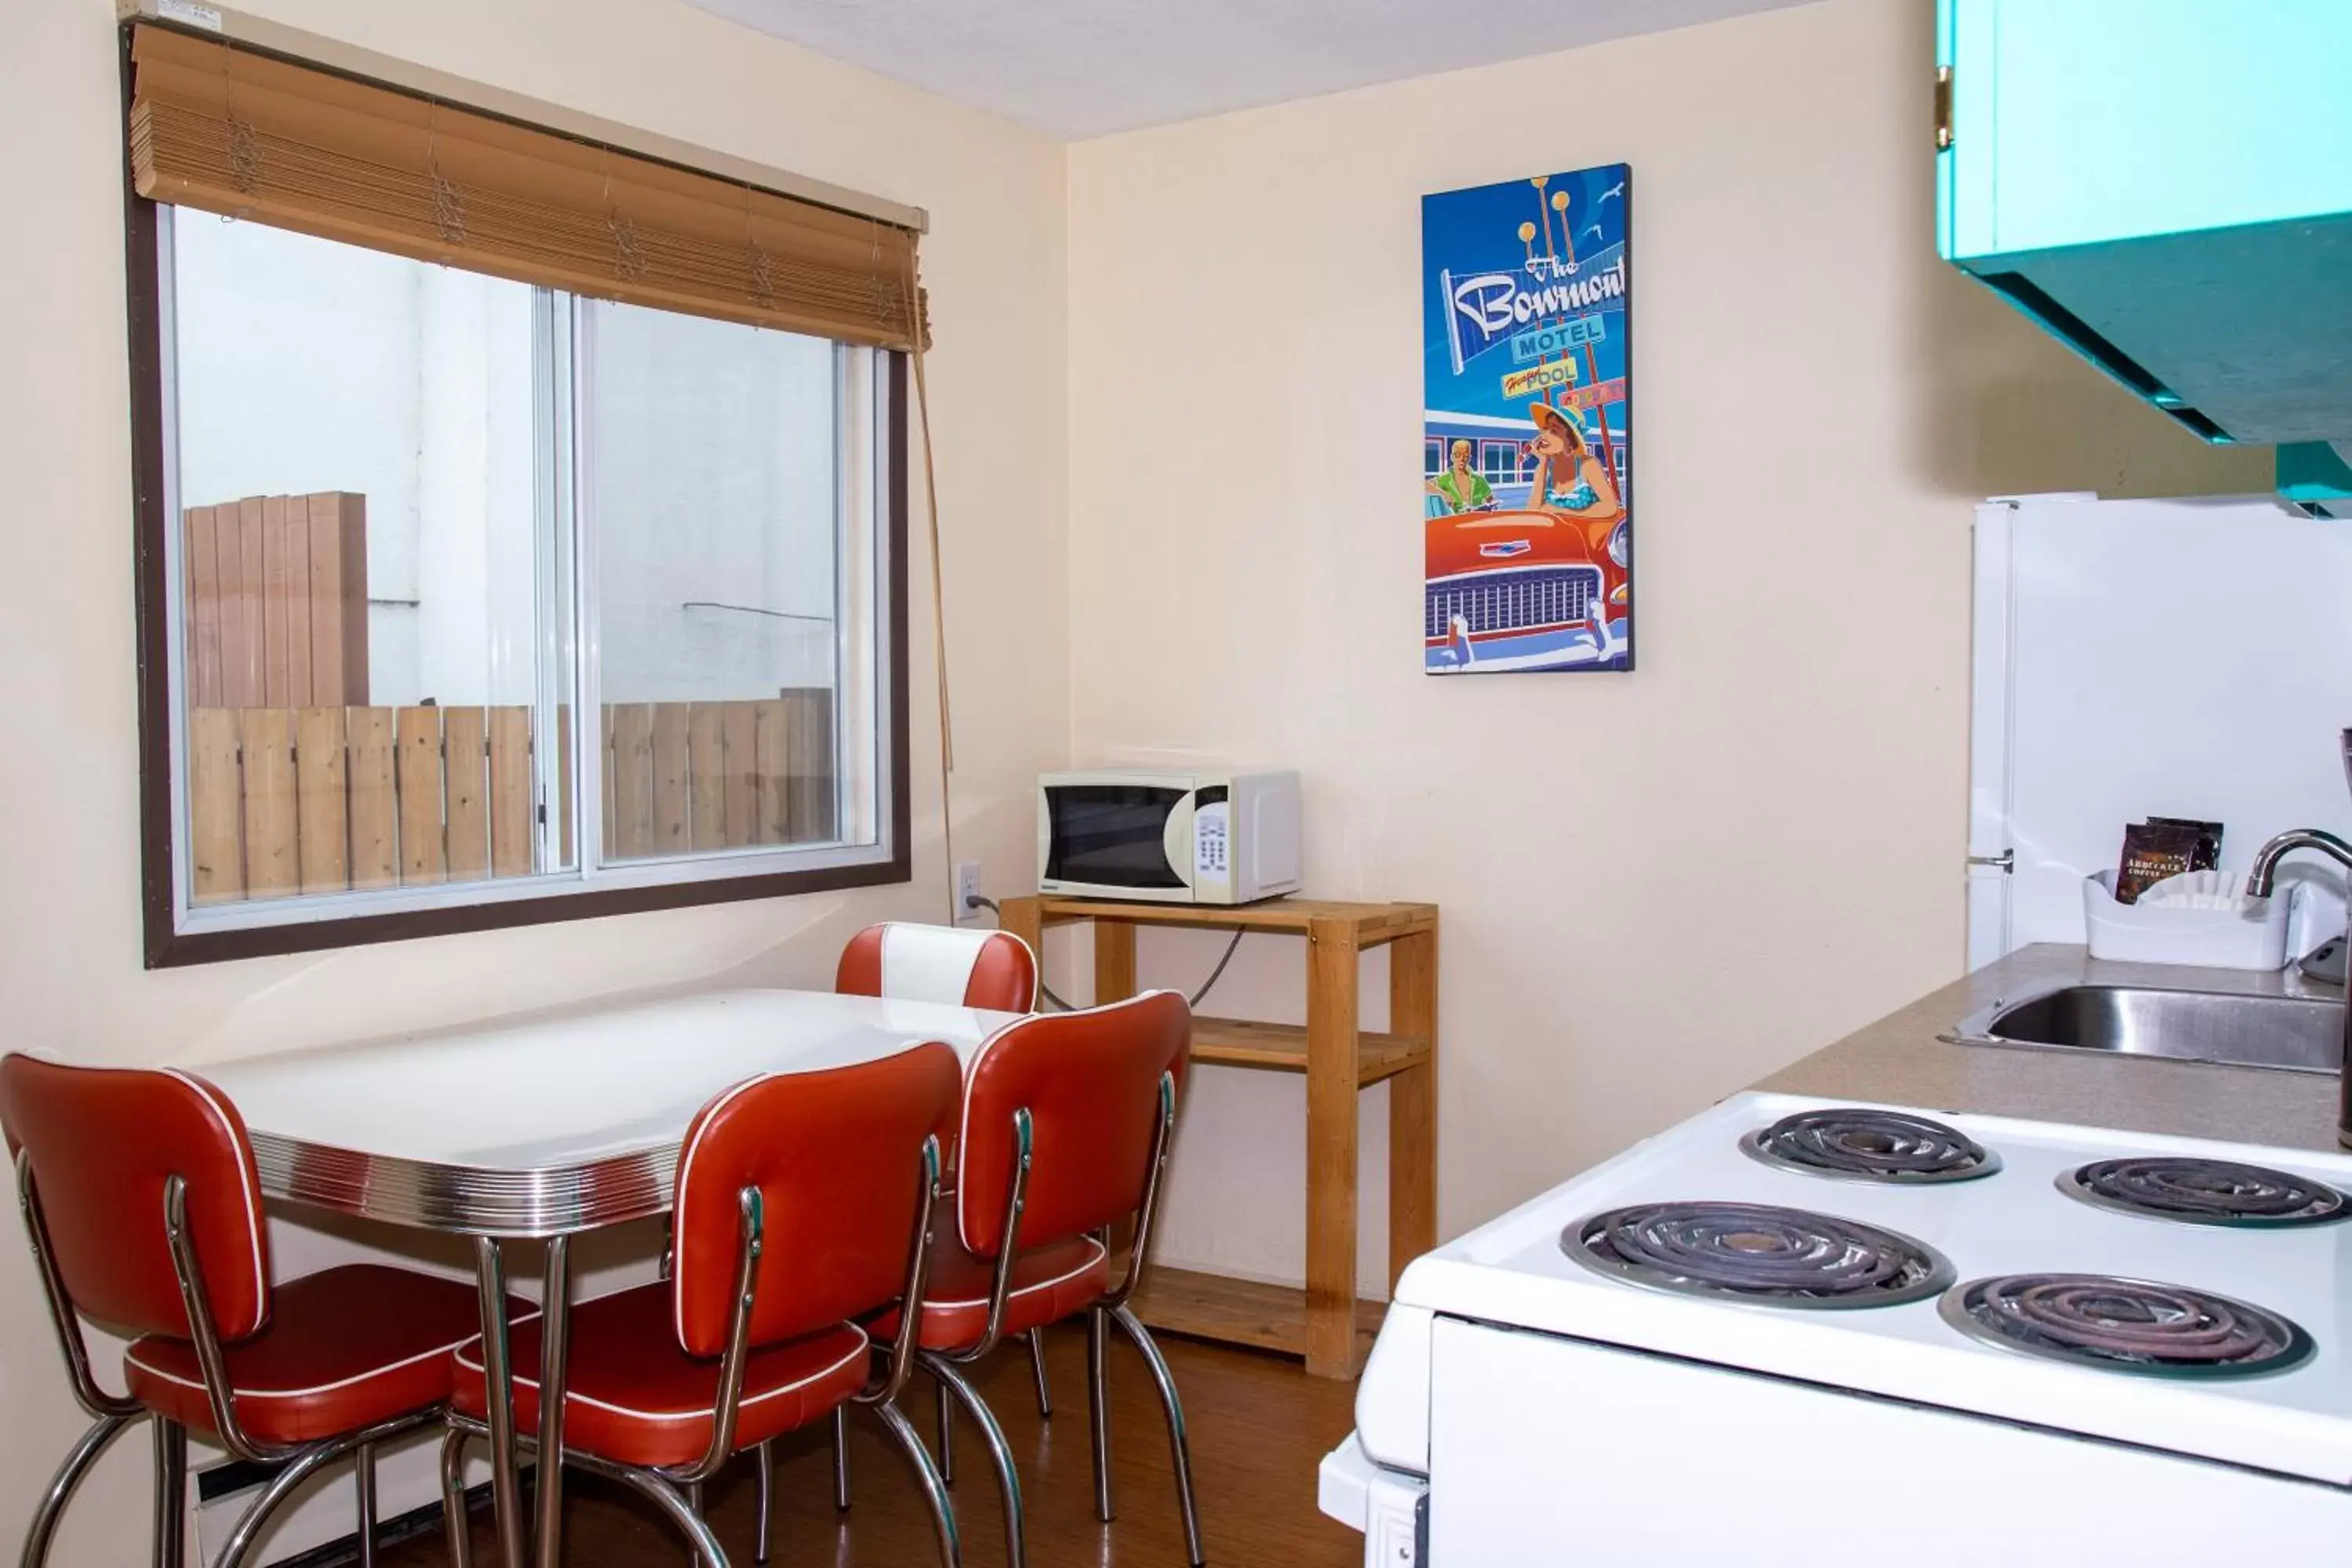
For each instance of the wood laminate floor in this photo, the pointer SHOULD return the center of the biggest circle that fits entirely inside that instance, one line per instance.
(1259, 1426)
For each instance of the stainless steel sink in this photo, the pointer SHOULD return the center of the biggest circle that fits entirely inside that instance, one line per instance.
(2297, 1033)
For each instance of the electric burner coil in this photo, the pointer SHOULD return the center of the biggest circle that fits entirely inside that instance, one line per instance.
(1760, 1253)
(1864, 1145)
(2138, 1326)
(2198, 1191)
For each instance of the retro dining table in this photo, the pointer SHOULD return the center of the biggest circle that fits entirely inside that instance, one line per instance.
(537, 1131)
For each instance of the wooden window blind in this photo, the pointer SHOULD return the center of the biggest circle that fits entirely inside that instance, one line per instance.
(252, 136)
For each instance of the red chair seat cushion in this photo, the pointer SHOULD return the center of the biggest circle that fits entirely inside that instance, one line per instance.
(632, 1396)
(1049, 1283)
(342, 1350)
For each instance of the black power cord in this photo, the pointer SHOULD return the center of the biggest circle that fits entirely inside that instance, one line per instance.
(977, 902)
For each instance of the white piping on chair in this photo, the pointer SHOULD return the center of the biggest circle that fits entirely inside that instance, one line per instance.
(972, 1071)
(1100, 1254)
(211, 1097)
(131, 1359)
(523, 1380)
(708, 1114)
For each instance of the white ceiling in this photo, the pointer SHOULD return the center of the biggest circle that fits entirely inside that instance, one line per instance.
(1086, 67)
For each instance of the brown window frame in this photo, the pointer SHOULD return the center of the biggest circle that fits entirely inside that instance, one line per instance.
(166, 946)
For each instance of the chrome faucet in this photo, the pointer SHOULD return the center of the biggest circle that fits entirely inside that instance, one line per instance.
(2264, 870)
(2264, 873)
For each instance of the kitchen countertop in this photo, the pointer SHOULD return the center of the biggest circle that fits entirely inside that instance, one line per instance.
(1899, 1060)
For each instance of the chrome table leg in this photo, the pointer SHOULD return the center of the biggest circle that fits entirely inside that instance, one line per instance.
(77, 1464)
(171, 1493)
(497, 1391)
(1178, 1446)
(840, 1458)
(363, 1475)
(1099, 1404)
(554, 1365)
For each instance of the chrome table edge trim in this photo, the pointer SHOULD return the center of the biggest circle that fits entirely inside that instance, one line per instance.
(469, 1200)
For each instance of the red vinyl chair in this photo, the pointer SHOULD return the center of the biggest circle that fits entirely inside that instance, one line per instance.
(992, 969)
(1066, 1123)
(914, 963)
(803, 1204)
(144, 1208)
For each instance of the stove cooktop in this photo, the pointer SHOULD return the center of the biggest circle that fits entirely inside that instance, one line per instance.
(2221, 1335)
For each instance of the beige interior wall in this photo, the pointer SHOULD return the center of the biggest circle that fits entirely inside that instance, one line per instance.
(1177, 400)
(69, 940)
(1658, 886)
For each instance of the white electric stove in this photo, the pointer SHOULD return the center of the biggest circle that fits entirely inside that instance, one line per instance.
(1789, 1331)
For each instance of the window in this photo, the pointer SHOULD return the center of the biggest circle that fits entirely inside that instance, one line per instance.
(1498, 461)
(488, 602)
(1432, 457)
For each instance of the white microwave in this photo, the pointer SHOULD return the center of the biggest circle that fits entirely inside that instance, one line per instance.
(1170, 837)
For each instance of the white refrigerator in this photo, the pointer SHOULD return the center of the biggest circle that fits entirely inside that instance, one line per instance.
(2185, 659)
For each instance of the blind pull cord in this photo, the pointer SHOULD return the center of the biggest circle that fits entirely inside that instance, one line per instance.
(939, 594)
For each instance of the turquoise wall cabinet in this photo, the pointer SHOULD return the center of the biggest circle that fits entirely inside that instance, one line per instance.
(2167, 185)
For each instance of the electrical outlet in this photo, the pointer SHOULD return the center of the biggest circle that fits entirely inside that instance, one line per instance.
(967, 888)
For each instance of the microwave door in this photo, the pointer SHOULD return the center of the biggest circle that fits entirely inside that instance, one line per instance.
(1117, 836)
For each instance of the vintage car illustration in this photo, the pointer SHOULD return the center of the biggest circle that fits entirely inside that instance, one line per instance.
(1525, 590)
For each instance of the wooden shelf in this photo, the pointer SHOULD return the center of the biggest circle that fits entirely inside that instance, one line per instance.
(1375, 923)
(1282, 1047)
(1239, 1312)
(1324, 1322)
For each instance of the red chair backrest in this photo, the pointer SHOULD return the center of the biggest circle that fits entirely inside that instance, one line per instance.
(102, 1143)
(912, 962)
(1090, 1082)
(838, 1157)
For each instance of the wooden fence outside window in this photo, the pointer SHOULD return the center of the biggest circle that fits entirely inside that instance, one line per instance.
(324, 800)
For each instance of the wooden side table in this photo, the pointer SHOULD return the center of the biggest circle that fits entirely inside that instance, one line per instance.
(1324, 1322)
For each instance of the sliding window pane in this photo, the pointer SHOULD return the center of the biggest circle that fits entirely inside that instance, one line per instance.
(714, 499)
(361, 448)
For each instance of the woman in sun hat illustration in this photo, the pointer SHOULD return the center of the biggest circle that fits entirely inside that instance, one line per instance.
(1568, 476)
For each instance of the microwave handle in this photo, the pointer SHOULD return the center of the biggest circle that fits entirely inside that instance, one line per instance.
(1176, 839)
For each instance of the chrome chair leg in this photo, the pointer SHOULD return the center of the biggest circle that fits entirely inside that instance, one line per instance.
(363, 1474)
(1174, 1409)
(947, 1434)
(926, 1475)
(171, 1493)
(247, 1534)
(840, 1458)
(1099, 1404)
(78, 1461)
(455, 1522)
(1038, 1366)
(1000, 1452)
(300, 1468)
(692, 1492)
(662, 1494)
(764, 1458)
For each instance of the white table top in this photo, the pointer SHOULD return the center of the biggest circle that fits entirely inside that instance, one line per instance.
(557, 1123)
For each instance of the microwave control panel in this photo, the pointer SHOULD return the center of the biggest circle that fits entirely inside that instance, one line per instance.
(1213, 835)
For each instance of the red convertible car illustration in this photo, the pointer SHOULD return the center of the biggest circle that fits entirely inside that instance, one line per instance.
(1525, 590)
